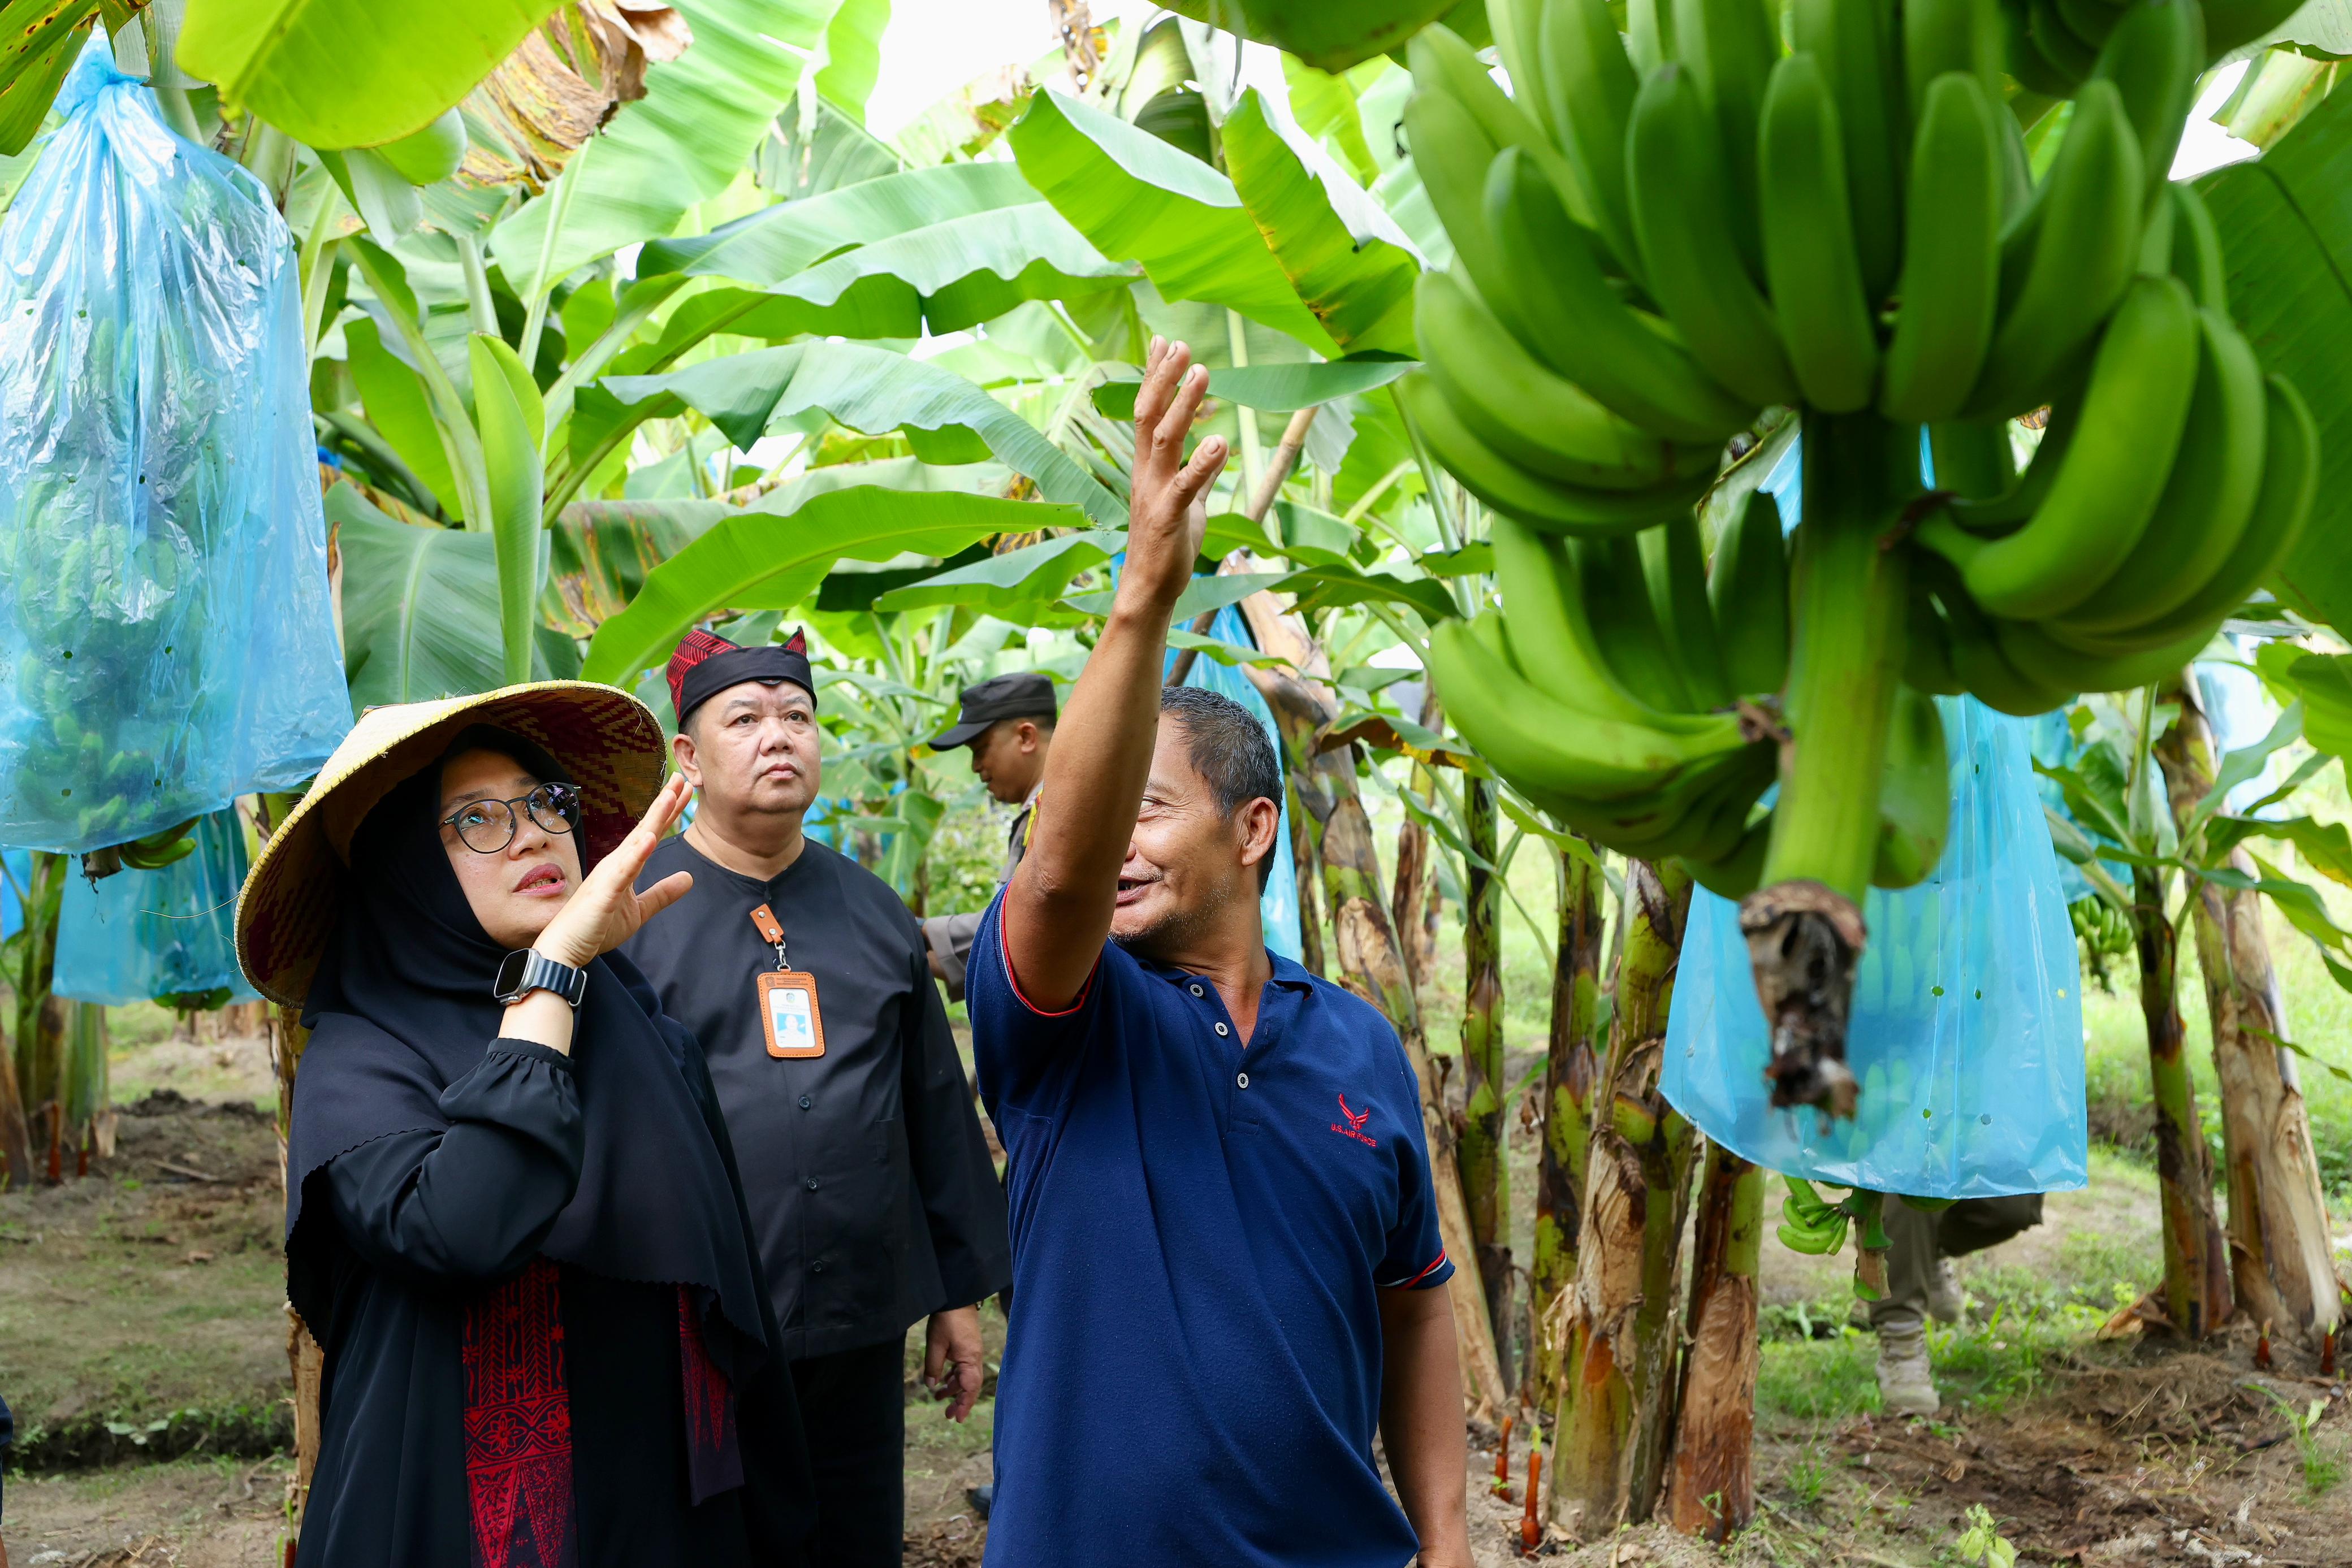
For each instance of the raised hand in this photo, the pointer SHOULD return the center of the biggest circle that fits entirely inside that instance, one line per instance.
(1168, 515)
(608, 910)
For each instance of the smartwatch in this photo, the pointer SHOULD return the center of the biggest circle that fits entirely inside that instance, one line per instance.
(527, 970)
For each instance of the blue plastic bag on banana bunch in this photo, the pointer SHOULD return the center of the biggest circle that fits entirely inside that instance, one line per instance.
(167, 642)
(166, 933)
(1967, 1028)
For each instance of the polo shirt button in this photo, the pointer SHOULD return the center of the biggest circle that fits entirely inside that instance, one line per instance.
(816, 1268)
(1241, 1080)
(1194, 989)
(809, 1184)
(1223, 1029)
(806, 1102)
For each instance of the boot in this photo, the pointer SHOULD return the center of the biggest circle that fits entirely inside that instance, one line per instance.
(1946, 1301)
(1906, 1384)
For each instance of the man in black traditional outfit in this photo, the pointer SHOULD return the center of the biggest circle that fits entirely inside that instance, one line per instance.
(806, 980)
(1008, 722)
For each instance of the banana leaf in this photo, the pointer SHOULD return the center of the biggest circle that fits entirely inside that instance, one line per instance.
(869, 390)
(765, 248)
(763, 561)
(2285, 221)
(396, 406)
(1341, 252)
(1140, 199)
(682, 144)
(853, 56)
(1014, 584)
(420, 606)
(39, 41)
(1277, 389)
(512, 421)
(353, 75)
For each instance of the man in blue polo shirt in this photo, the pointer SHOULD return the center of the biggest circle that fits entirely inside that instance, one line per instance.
(1226, 1251)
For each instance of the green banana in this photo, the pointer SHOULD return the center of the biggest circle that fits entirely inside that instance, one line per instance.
(1538, 501)
(1548, 636)
(1699, 815)
(1927, 646)
(2231, 22)
(1951, 256)
(2075, 248)
(2290, 480)
(1855, 44)
(1649, 35)
(1915, 795)
(2088, 22)
(2156, 238)
(1941, 36)
(1624, 626)
(1567, 312)
(2026, 62)
(1809, 1223)
(1676, 181)
(1443, 63)
(1810, 258)
(1516, 24)
(2003, 513)
(1674, 564)
(1749, 591)
(1739, 874)
(1540, 421)
(2071, 56)
(1729, 47)
(1528, 736)
(2040, 658)
(2208, 499)
(1451, 153)
(159, 849)
(2106, 492)
(2197, 254)
(1589, 86)
(2153, 56)
(1973, 460)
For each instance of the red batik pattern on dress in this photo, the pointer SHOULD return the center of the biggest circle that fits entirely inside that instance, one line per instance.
(714, 1462)
(519, 1425)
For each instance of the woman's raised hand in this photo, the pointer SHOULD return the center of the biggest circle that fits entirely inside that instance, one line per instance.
(608, 910)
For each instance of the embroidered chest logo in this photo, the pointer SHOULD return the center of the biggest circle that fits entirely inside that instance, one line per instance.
(1353, 1126)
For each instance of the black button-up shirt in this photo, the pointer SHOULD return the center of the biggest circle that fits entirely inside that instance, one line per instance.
(870, 1184)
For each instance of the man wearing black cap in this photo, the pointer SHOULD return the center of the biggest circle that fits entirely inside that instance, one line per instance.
(869, 1181)
(1008, 722)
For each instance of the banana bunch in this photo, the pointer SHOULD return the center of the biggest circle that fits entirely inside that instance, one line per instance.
(2173, 477)
(1604, 691)
(2052, 45)
(1810, 1223)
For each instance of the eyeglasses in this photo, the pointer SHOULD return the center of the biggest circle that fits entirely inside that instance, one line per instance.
(488, 827)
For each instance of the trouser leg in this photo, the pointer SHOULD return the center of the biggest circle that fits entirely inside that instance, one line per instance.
(1910, 1263)
(853, 1407)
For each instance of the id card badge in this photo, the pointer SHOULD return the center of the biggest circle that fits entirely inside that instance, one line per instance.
(788, 1004)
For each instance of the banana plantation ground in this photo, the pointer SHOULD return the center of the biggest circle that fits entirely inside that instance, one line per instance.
(143, 1345)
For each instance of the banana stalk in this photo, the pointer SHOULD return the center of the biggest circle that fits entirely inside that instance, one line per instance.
(1712, 1491)
(2278, 1226)
(1485, 1178)
(2196, 1295)
(40, 1017)
(1570, 1069)
(1609, 1441)
(1803, 924)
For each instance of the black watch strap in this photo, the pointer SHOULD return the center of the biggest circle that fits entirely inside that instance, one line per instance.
(528, 970)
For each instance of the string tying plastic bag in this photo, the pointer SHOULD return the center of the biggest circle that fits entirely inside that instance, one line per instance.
(170, 933)
(1967, 1028)
(165, 638)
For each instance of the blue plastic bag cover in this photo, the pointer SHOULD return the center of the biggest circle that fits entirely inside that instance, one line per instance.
(167, 642)
(1278, 901)
(172, 932)
(1967, 1028)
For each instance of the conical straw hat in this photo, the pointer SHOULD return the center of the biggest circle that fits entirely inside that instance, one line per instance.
(610, 742)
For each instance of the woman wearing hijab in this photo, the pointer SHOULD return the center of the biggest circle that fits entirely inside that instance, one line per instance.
(513, 1218)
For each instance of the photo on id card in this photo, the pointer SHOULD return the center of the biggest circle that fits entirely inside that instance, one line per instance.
(788, 1008)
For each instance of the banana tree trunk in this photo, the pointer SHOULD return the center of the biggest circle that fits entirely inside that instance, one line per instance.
(1307, 873)
(15, 1134)
(84, 1093)
(2196, 1269)
(1411, 875)
(1618, 1384)
(1570, 1069)
(40, 1018)
(1485, 1178)
(1713, 1489)
(2278, 1227)
(1369, 962)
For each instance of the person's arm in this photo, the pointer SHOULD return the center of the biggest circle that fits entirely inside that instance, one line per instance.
(470, 1203)
(948, 941)
(1421, 1421)
(1057, 908)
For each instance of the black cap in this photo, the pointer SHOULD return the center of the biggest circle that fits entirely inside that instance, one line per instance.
(1023, 694)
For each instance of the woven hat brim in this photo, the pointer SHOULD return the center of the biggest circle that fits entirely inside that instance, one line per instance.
(609, 741)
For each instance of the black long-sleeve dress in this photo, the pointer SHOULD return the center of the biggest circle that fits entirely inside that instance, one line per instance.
(532, 1274)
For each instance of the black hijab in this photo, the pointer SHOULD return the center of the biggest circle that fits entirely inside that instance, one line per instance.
(400, 1008)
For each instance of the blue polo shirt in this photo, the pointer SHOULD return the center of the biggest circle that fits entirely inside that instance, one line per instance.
(1199, 1231)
